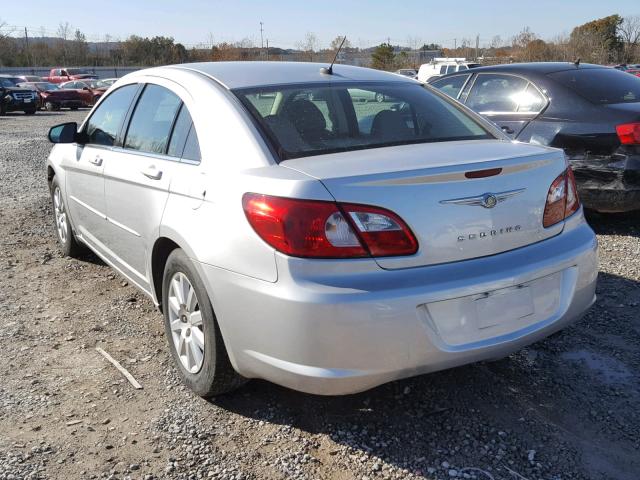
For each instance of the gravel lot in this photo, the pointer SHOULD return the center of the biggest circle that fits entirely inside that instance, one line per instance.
(564, 408)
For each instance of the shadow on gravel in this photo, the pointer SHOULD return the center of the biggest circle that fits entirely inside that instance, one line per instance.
(615, 223)
(565, 406)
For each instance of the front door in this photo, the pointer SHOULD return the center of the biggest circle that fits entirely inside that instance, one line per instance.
(85, 165)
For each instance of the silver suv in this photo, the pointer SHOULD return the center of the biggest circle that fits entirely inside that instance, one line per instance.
(291, 232)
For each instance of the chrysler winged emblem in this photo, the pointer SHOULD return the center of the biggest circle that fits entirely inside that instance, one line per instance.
(486, 200)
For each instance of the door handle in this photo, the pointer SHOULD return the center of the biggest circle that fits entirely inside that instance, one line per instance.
(507, 129)
(152, 172)
(97, 161)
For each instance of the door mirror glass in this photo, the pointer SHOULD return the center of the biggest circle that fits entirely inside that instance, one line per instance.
(63, 133)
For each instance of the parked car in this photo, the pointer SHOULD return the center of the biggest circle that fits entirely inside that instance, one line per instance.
(29, 78)
(634, 71)
(443, 66)
(590, 111)
(282, 242)
(14, 98)
(89, 91)
(52, 98)
(60, 75)
(109, 81)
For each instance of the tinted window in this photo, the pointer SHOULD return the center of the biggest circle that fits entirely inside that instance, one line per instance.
(451, 85)
(106, 121)
(152, 120)
(443, 69)
(462, 67)
(531, 100)
(601, 85)
(496, 93)
(451, 68)
(6, 82)
(313, 120)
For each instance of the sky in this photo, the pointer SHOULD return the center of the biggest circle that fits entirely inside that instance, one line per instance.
(286, 22)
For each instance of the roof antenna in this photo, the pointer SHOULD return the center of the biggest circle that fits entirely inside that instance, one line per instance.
(577, 62)
(329, 71)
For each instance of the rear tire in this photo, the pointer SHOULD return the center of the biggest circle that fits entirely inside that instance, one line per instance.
(192, 330)
(64, 233)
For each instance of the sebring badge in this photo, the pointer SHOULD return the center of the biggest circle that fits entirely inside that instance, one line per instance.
(486, 200)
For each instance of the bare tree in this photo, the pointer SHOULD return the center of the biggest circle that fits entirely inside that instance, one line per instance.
(309, 45)
(629, 31)
(63, 32)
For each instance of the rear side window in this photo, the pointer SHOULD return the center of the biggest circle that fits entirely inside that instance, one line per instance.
(451, 85)
(184, 140)
(152, 120)
(602, 86)
(443, 69)
(451, 68)
(496, 93)
(106, 121)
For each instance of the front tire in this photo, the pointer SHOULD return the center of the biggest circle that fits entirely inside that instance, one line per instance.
(66, 240)
(192, 330)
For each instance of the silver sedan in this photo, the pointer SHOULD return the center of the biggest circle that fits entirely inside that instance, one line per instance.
(290, 232)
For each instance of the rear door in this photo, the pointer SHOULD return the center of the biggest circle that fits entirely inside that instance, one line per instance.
(137, 181)
(510, 101)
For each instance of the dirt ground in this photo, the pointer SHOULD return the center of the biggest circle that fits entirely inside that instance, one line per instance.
(564, 408)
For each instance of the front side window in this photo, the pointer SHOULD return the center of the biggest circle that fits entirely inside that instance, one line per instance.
(152, 120)
(105, 122)
(451, 85)
(496, 93)
(451, 68)
(305, 120)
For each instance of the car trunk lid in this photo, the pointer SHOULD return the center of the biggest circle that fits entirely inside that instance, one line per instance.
(427, 185)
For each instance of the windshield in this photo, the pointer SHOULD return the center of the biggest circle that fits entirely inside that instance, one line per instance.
(305, 120)
(7, 82)
(77, 71)
(601, 85)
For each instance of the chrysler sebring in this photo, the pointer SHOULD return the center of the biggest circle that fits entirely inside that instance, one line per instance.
(291, 232)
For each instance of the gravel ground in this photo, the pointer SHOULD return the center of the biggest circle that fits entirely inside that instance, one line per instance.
(564, 408)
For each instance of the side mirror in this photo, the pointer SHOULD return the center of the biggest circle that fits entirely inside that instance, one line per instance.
(64, 133)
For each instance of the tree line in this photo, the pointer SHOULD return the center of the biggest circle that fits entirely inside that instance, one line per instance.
(613, 39)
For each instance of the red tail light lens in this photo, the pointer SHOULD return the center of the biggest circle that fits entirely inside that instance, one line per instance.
(562, 199)
(318, 229)
(629, 133)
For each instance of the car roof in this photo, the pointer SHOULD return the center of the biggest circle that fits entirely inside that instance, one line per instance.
(541, 68)
(234, 75)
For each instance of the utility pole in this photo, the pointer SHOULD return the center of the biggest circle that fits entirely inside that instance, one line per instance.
(26, 43)
(477, 46)
(455, 43)
(267, 49)
(261, 37)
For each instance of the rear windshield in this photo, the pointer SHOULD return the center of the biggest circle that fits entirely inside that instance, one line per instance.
(305, 120)
(602, 85)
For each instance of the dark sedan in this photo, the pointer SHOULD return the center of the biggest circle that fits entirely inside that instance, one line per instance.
(590, 111)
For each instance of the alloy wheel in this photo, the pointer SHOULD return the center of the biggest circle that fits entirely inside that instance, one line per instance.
(185, 319)
(61, 215)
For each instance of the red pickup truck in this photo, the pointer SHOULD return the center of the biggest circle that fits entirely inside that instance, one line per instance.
(59, 75)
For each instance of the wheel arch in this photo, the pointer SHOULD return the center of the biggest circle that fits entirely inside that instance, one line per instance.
(162, 248)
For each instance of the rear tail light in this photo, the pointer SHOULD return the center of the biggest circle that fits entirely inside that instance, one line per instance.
(562, 199)
(629, 133)
(319, 229)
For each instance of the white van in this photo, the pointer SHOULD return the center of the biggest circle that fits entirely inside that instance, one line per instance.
(441, 66)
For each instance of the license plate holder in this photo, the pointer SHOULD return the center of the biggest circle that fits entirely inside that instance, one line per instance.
(503, 306)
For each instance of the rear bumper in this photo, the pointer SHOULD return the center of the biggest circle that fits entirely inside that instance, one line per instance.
(328, 327)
